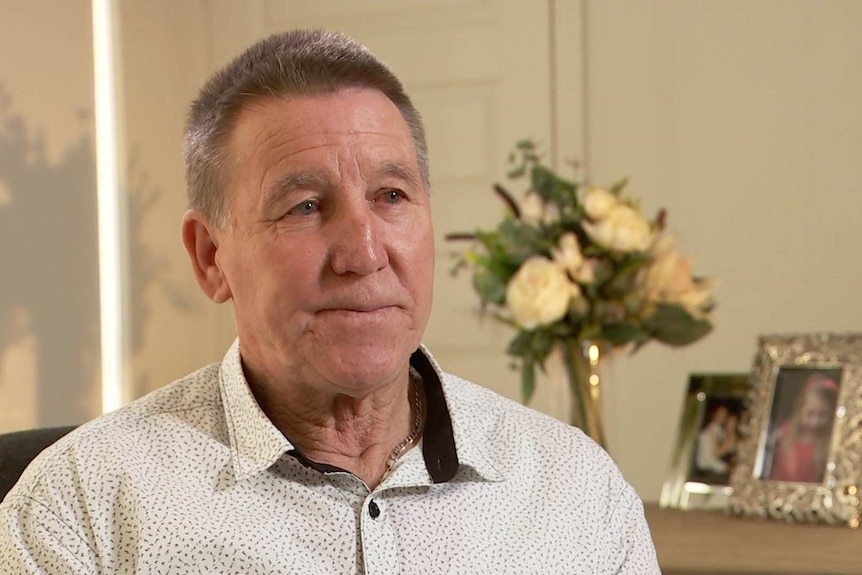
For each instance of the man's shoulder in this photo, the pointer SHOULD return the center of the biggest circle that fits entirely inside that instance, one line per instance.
(156, 418)
(196, 391)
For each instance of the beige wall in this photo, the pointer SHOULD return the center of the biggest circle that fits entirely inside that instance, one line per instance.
(743, 118)
(49, 317)
(165, 55)
(739, 116)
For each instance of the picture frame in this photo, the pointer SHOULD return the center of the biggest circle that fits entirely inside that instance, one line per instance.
(707, 442)
(800, 459)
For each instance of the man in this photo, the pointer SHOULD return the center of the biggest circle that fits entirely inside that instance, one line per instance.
(328, 440)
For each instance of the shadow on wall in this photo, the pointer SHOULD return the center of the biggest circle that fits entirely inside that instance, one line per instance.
(147, 271)
(49, 266)
(49, 274)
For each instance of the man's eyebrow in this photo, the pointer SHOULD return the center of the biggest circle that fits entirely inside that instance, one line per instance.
(284, 186)
(400, 171)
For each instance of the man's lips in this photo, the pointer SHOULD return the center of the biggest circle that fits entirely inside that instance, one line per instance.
(360, 308)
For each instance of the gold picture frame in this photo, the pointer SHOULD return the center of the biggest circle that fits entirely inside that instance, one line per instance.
(800, 459)
(707, 442)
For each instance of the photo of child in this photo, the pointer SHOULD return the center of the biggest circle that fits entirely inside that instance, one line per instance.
(800, 425)
(715, 448)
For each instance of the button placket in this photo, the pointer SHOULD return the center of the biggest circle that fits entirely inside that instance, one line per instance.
(379, 549)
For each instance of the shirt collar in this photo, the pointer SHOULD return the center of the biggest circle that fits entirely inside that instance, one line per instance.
(454, 434)
(255, 443)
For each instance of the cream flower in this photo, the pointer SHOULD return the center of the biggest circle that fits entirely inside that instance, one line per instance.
(551, 214)
(586, 273)
(668, 279)
(532, 208)
(622, 230)
(568, 256)
(539, 293)
(599, 202)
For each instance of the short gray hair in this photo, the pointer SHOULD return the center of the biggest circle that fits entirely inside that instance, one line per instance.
(291, 63)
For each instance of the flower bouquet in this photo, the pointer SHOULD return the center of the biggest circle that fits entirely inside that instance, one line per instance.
(577, 267)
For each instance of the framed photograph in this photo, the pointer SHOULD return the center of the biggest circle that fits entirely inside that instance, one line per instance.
(705, 453)
(800, 457)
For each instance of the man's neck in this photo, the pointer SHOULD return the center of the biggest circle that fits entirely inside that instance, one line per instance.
(355, 434)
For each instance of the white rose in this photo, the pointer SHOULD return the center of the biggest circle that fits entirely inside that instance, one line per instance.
(532, 208)
(539, 293)
(623, 230)
(599, 202)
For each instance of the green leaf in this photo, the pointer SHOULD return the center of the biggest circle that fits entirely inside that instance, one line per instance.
(672, 325)
(516, 173)
(521, 344)
(543, 342)
(490, 286)
(621, 333)
(625, 274)
(618, 187)
(528, 381)
(526, 145)
(518, 241)
(543, 181)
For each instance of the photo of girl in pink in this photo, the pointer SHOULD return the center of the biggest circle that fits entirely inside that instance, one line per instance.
(798, 447)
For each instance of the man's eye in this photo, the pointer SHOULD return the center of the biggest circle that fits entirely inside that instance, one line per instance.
(306, 208)
(392, 196)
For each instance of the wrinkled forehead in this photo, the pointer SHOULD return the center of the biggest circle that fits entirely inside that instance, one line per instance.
(290, 126)
(319, 137)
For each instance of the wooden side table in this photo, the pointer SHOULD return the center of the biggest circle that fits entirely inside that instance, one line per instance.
(713, 543)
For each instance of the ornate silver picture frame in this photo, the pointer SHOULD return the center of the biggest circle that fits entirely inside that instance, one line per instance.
(800, 459)
(707, 442)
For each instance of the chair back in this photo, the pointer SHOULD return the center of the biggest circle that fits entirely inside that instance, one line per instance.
(19, 448)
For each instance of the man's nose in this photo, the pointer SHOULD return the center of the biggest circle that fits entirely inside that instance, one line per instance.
(355, 240)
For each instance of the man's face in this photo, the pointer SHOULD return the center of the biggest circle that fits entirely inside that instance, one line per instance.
(329, 255)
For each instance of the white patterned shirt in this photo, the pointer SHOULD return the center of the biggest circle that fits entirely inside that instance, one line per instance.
(194, 478)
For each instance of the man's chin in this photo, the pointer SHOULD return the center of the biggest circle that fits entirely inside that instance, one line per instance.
(364, 365)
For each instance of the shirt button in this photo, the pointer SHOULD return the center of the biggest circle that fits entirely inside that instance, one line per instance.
(373, 510)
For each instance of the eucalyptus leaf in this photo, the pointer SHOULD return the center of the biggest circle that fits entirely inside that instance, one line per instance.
(618, 187)
(490, 287)
(516, 172)
(543, 182)
(621, 333)
(672, 325)
(543, 342)
(528, 381)
(519, 241)
(521, 344)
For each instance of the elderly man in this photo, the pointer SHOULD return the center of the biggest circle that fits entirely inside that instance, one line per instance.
(328, 440)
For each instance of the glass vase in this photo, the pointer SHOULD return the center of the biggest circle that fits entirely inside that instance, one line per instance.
(581, 364)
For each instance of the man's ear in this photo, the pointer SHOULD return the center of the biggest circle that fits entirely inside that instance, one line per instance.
(202, 247)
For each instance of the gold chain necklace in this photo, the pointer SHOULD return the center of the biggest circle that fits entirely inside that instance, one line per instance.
(418, 420)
